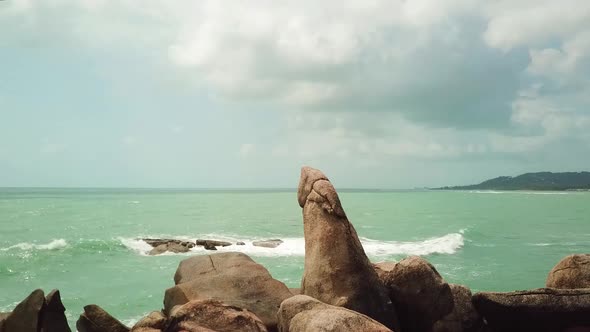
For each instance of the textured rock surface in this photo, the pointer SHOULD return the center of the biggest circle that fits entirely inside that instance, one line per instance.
(25, 316)
(211, 244)
(54, 317)
(95, 319)
(337, 271)
(464, 317)
(302, 313)
(268, 243)
(171, 245)
(540, 310)
(571, 272)
(232, 278)
(154, 320)
(213, 315)
(420, 294)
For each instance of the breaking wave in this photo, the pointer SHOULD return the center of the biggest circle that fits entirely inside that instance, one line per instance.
(53, 245)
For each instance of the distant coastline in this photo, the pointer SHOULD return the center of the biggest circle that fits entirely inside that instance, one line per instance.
(540, 181)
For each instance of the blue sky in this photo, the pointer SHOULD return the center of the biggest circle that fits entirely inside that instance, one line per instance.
(378, 94)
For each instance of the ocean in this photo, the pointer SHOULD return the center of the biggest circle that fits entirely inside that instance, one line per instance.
(84, 242)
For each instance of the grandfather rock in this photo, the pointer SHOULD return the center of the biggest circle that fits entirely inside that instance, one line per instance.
(232, 278)
(464, 317)
(420, 294)
(571, 272)
(268, 243)
(213, 315)
(54, 317)
(337, 271)
(539, 310)
(25, 316)
(155, 320)
(302, 313)
(95, 319)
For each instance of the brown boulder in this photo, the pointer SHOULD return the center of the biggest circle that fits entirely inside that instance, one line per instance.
(213, 315)
(539, 310)
(302, 313)
(234, 279)
(54, 318)
(571, 272)
(420, 294)
(154, 320)
(337, 271)
(464, 317)
(95, 319)
(25, 316)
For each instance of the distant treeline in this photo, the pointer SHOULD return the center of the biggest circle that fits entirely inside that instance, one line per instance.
(533, 181)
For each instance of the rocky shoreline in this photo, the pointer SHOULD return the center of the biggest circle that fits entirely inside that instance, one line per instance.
(341, 290)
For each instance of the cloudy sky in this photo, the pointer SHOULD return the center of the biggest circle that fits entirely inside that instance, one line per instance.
(220, 93)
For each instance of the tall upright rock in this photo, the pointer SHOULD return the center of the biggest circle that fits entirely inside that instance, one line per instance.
(337, 270)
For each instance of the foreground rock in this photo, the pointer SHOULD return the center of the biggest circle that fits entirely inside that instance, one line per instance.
(464, 317)
(95, 319)
(268, 243)
(154, 321)
(302, 313)
(210, 314)
(26, 315)
(232, 278)
(419, 293)
(337, 271)
(540, 310)
(171, 245)
(54, 317)
(571, 272)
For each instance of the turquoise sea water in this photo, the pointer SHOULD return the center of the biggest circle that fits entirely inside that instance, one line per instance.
(84, 242)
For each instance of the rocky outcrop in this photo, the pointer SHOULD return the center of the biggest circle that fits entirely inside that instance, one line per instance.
(232, 278)
(539, 310)
(171, 245)
(215, 316)
(26, 315)
(268, 243)
(420, 294)
(95, 319)
(54, 317)
(571, 272)
(464, 317)
(155, 320)
(302, 313)
(337, 271)
(212, 244)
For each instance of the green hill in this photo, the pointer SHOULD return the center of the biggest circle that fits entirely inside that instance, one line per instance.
(533, 181)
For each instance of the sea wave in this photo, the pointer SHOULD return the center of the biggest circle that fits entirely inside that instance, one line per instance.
(295, 246)
(53, 245)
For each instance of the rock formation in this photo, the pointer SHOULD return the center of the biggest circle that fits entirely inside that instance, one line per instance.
(155, 320)
(464, 317)
(571, 272)
(337, 271)
(95, 319)
(25, 316)
(539, 310)
(171, 245)
(232, 278)
(53, 317)
(419, 293)
(302, 313)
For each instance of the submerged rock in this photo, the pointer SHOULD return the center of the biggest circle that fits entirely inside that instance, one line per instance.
(337, 271)
(95, 319)
(171, 245)
(232, 278)
(25, 316)
(539, 310)
(302, 313)
(420, 294)
(212, 244)
(204, 315)
(464, 317)
(571, 272)
(268, 243)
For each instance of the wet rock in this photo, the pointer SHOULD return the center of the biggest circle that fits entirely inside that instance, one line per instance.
(240, 243)
(54, 317)
(95, 319)
(171, 245)
(464, 317)
(268, 243)
(539, 310)
(25, 316)
(302, 313)
(232, 278)
(337, 271)
(213, 243)
(420, 294)
(155, 320)
(213, 315)
(571, 272)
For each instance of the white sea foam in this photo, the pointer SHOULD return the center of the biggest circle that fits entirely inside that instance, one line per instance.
(53, 245)
(447, 244)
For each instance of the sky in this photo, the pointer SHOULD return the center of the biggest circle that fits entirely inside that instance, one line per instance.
(241, 94)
